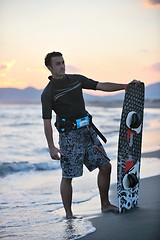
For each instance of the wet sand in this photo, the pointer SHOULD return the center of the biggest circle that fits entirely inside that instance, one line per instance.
(141, 223)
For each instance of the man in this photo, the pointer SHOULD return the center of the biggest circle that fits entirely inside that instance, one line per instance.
(78, 139)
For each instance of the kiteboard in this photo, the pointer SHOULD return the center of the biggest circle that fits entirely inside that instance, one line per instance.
(129, 147)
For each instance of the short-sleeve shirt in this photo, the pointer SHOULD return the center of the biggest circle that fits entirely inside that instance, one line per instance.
(65, 97)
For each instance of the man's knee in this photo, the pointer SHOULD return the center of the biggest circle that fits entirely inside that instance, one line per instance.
(66, 180)
(106, 168)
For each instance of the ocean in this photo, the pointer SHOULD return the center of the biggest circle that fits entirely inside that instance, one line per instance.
(30, 202)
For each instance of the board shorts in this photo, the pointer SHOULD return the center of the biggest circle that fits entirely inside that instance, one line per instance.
(77, 148)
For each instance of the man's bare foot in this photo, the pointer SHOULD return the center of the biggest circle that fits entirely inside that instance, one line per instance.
(73, 217)
(110, 208)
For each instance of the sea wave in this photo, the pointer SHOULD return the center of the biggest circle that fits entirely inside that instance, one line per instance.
(14, 167)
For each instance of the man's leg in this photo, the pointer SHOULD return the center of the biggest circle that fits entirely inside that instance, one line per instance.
(66, 194)
(104, 184)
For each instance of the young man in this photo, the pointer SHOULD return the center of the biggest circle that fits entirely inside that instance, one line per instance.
(77, 136)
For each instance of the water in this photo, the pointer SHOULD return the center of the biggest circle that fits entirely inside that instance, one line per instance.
(31, 207)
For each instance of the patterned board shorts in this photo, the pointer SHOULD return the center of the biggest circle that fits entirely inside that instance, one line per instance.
(77, 148)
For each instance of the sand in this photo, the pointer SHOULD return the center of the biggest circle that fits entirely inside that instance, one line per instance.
(142, 223)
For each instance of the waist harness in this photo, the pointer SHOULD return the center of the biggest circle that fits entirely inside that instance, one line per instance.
(66, 125)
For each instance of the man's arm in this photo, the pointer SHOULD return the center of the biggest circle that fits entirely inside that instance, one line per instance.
(110, 87)
(54, 152)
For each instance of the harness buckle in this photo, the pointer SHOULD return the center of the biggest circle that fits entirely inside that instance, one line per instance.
(82, 122)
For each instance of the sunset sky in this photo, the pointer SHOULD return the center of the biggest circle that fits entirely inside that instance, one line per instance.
(104, 40)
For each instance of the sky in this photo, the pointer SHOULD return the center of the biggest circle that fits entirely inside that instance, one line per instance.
(108, 41)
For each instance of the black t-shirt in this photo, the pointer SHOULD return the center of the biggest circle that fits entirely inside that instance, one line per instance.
(64, 96)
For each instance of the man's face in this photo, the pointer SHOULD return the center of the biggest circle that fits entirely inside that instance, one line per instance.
(57, 67)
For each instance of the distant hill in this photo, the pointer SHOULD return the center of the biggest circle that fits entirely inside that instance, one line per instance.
(15, 95)
(153, 91)
(32, 95)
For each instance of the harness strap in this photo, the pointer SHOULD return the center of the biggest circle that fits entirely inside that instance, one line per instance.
(66, 125)
(98, 132)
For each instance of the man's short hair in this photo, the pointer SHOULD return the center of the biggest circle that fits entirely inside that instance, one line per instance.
(49, 57)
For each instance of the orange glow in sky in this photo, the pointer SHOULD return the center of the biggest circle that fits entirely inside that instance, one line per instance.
(113, 41)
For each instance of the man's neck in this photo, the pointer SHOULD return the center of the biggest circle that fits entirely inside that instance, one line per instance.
(57, 76)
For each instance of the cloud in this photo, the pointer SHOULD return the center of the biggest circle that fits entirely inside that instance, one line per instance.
(155, 67)
(152, 3)
(144, 50)
(3, 67)
(7, 65)
(71, 68)
(36, 69)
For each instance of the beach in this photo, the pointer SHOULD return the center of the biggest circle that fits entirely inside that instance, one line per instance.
(30, 204)
(141, 223)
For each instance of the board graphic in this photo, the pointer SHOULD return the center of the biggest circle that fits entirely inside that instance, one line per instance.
(129, 147)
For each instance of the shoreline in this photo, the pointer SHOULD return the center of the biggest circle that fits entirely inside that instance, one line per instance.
(140, 223)
(151, 154)
(108, 104)
(143, 222)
